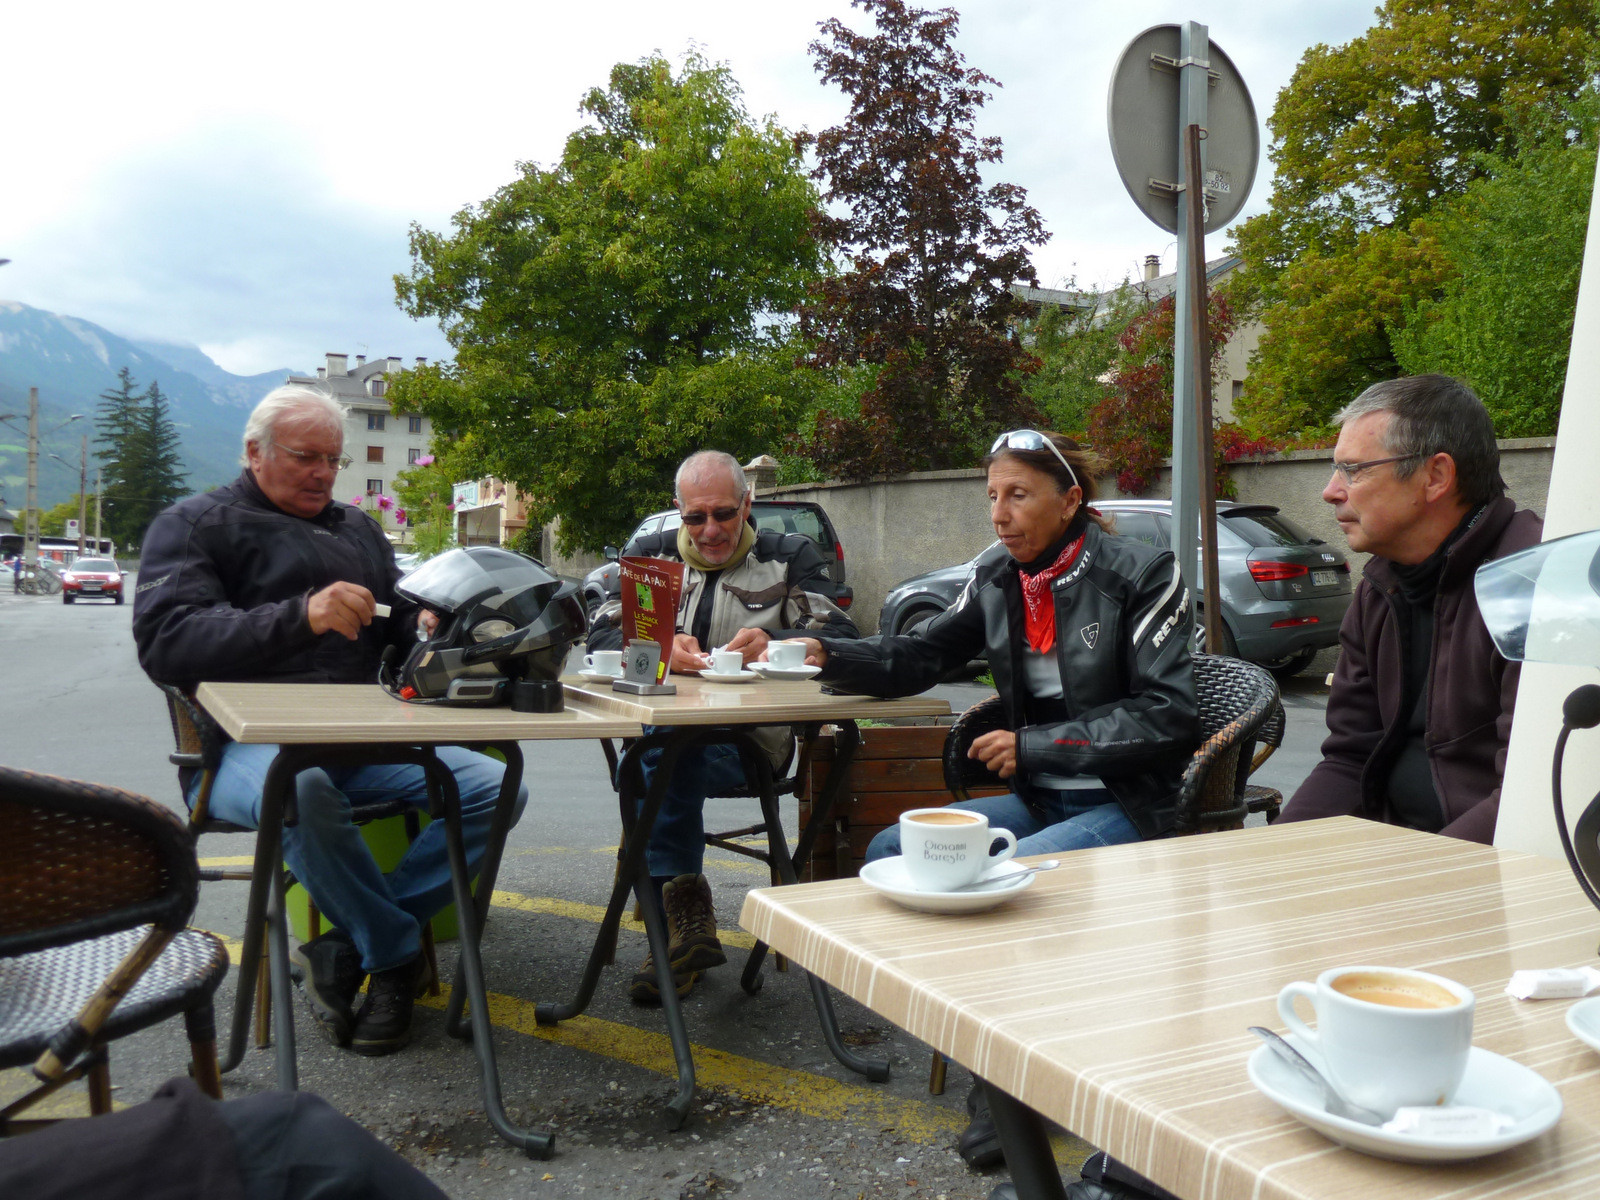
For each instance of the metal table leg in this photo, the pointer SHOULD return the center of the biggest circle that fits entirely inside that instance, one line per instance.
(1034, 1174)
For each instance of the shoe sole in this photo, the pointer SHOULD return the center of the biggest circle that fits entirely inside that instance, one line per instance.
(645, 990)
(698, 956)
(378, 1048)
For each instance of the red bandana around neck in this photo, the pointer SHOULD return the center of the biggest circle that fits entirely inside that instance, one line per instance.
(1038, 609)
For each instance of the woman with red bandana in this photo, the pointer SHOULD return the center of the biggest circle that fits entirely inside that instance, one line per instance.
(1087, 635)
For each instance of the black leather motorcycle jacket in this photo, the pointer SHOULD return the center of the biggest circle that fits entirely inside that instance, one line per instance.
(1123, 624)
(222, 588)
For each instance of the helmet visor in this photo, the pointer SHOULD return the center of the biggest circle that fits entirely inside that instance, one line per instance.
(449, 582)
(1543, 604)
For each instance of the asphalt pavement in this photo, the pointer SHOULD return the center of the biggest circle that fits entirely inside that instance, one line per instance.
(774, 1111)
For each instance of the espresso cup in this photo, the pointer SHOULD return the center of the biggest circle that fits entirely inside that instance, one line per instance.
(787, 654)
(604, 662)
(1389, 1038)
(948, 848)
(727, 662)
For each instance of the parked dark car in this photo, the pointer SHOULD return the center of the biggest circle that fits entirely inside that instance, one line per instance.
(1284, 592)
(92, 579)
(661, 529)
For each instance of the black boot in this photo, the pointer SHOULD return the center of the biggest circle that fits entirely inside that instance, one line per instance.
(329, 969)
(979, 1143)
(384, 1023)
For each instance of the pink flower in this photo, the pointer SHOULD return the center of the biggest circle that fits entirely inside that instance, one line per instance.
(359, 501)
(449, 508)
(424, 460)
(384, 502)
(399, 516)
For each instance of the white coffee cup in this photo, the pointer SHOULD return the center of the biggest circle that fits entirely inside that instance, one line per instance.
(1388, 1037)
(947, 848)
(787, 654)
(604, 662)
(727, 662)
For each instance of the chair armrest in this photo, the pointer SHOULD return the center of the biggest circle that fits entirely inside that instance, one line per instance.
(962, 774)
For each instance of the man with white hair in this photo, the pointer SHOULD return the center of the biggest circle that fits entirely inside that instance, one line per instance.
(269, 579)
(740, 589)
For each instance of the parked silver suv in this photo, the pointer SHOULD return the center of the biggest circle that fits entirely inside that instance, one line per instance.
(1284, 592)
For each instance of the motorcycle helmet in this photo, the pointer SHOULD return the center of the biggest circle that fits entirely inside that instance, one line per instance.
(502, 617)
(1542, 604)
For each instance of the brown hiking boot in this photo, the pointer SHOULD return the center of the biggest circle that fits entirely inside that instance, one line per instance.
(644, 989)
(692, 943)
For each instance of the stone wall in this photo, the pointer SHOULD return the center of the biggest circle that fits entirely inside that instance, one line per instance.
(895, 528)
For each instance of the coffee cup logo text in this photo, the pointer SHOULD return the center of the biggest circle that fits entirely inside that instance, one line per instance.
(946, 852)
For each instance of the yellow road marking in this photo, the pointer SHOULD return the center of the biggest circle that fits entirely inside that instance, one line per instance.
(594, 912)
(70, 1101)
(232, 860)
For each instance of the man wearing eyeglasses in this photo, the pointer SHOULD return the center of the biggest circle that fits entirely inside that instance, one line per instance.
(1419, 717)
(270, 580)
(741, 589)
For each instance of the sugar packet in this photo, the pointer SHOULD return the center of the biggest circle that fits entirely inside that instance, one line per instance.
(1554, 983)
(1453, 1121)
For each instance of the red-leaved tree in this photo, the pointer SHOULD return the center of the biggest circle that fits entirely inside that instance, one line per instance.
(931, 252)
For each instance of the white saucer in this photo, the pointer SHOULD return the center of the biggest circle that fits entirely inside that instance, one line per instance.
(600, 676)
(888, 877)
(737, 677)
(768, 671)
(1583, 1018)
(1491, 1082)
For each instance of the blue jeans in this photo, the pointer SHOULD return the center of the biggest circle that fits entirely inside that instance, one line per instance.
(384, 915)
(678, 842)
(1070, 821)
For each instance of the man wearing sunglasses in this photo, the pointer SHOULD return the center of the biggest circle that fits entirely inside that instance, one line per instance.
(271, 580)
(741, 589)
(1419, 717)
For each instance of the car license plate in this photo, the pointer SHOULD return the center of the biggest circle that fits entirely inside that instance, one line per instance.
(1324, 578)
(91, 587)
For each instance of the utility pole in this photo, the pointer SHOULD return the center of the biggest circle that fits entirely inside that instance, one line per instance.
(30, 523)
(97, 542)
(83, 494)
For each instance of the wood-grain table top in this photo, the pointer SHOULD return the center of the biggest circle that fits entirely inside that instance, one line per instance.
(344, 713)
(1114, 994)
(763, 702)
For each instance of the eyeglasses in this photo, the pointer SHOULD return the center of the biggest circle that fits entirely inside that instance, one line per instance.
(720, 515)
(1032, 439)
(1349, 471)
(307, 458)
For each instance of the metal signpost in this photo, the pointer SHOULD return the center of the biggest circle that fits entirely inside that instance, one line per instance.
(1179, 112)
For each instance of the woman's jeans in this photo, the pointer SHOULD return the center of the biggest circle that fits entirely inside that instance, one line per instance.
(1075, 820)
(382, 914)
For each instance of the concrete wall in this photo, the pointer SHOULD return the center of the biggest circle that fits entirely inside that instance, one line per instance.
(895, 528)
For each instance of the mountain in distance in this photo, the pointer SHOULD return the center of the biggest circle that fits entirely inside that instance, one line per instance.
(71, 361)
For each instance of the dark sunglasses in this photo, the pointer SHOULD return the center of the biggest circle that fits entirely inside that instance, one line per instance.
(720, 515)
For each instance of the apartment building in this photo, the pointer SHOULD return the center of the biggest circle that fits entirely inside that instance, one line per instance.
(381, 443)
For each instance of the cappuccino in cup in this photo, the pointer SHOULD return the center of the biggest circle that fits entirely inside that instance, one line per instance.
(604, 662)
(1388, 1037)
(787, 655)
(948, 848)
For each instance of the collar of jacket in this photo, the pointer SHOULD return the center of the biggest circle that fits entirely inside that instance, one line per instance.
(691, 555)
(251, 490)
(1463, 558)
(1009, 570)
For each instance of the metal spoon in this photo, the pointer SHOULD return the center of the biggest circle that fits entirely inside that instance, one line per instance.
(1049, 864)
(1331, 1100)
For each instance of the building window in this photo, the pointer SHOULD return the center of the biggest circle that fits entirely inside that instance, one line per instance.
(412, 455)
(377, 387)
(413, 424)
(374, 453)
(374, 487)
(375, 421)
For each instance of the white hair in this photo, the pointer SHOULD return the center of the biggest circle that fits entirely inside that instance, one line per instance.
(703, 464)
(287, 403)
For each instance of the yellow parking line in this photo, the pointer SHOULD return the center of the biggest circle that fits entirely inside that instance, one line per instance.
(593, 913)
(233, 860)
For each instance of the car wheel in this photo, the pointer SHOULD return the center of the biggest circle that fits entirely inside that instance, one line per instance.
(916, 619)
(1197, 642)
(119, 597)
(65, 598)
(591, 605)
(1288, 668)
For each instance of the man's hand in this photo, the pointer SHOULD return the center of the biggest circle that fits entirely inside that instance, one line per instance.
(686, 653)
(816, 656)
(752, 643)
(427, 621)
(341, 607)
(997, 750)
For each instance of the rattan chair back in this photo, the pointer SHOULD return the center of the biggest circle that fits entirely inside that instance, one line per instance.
(81, 860)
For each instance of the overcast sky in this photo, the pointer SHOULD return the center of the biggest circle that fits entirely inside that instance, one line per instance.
(243, 176)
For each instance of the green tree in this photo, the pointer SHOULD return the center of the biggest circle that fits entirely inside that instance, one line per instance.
(1503, 320)
(53, 521)
(141, 464)
(1369, 139)
(933, 251)
(1076, 349)
(613, 313)
(425, 491)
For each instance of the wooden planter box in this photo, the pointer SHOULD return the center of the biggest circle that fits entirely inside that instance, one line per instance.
(895, 768)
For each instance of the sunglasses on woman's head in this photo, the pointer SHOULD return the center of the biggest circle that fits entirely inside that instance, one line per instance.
(1032, 439)
(720, 515)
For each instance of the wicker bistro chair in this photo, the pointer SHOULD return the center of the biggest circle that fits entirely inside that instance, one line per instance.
(97, 887)
(199, 744)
